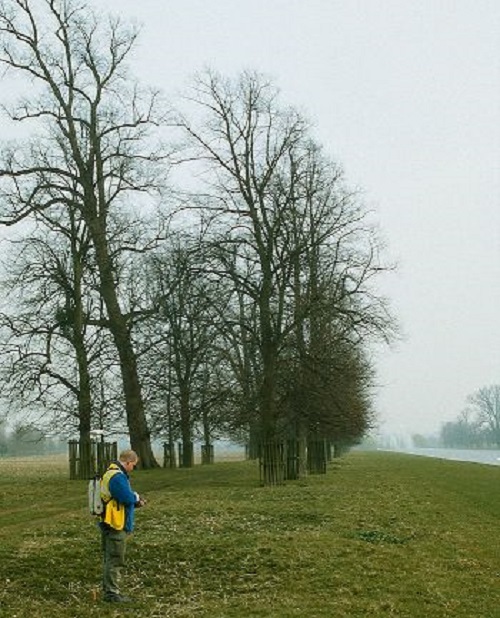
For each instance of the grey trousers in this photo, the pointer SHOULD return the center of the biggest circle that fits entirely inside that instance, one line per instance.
(113, 552)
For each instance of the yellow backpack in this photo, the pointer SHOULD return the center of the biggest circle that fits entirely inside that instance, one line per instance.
(113, 513)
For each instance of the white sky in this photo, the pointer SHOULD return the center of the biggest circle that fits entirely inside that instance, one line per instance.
(406, 96)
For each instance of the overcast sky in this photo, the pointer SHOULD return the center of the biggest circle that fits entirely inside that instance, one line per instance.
(406, 96)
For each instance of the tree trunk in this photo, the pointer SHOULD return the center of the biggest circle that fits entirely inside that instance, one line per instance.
(140, 439)
(77, 329)
(267, 394)
(82, 361)
(185, 417)
(84, 396)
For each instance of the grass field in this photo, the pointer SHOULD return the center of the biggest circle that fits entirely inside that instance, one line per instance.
(380, 535)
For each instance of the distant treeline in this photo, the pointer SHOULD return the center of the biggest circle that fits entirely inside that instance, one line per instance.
(25, 441)
(477, 425)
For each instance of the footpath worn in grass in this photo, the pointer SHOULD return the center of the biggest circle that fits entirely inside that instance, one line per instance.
(380, 535)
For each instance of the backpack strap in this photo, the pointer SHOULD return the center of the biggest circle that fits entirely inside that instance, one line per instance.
(108, 475)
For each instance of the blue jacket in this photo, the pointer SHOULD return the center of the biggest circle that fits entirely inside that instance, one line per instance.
(120, 490)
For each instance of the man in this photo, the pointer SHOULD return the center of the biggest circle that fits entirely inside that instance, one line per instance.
(117, 521)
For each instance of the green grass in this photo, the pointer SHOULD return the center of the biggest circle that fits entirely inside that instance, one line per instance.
(380, 535)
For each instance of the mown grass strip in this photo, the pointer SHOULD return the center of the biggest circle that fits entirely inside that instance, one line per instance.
(380, 535)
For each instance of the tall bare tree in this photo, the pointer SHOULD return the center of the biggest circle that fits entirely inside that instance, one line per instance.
(55, 356)
(93, 144)
(186, 333)
(287, 232)
(246, 139)
(485, 403)
(46, 348)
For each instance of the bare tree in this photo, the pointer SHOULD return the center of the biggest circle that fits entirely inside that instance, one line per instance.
(292, 239)
(485, 403)
(246, 139)
(53, 358)
(94, 147)
(185, 337)
(238, 327)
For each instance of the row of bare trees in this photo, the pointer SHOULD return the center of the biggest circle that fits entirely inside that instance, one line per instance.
(244, 305)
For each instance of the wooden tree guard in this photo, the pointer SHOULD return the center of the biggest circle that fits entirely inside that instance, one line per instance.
(293, 462)
(207, 454)
(272, 463)
(316, 456)
(339, 450)
(186, 455)
(329, 451)
(169, 460)
(252, 449)
(86, 458)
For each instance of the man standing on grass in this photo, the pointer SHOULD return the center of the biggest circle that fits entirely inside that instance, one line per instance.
(117, 521)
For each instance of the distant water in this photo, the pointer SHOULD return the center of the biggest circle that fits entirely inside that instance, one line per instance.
(477, 456)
